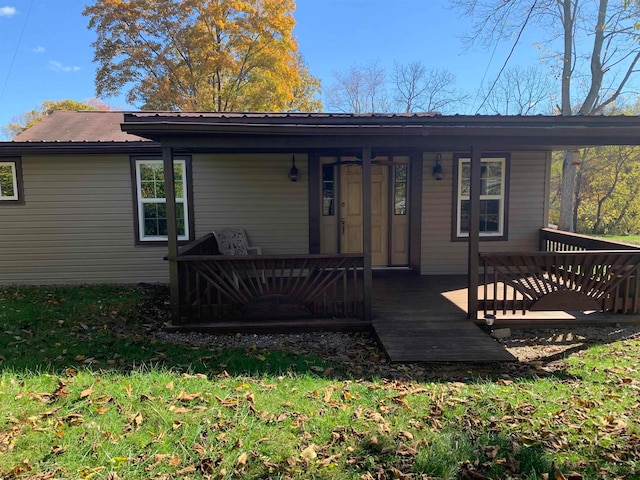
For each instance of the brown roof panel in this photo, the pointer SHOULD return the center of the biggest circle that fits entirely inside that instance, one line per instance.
(79, 126)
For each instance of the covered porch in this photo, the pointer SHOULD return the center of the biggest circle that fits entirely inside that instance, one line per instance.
(574, 279)
(338, 291)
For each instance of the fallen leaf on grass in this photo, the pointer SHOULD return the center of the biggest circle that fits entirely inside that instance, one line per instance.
(468, 472)
(201, 376)
(179, 410)
(557, 474)
(189, 469)
(228, 402)
(72, 419)
(58, 449)
(242, 459)
(399, 475)
(407, 450)
(328, 392)
(491, 451)
(325, 462)
(135, 421)
(86, 393)
(207, 466)
(187, 397)
(309, 453)
(199, 449)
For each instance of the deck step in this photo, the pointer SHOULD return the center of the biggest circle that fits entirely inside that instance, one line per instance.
(450, 341)
(415, 322)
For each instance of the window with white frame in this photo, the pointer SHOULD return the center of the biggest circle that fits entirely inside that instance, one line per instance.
(152, 204)
(10, 181)
(492, 196)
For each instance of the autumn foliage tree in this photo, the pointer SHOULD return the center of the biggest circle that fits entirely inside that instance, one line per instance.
(223, 55)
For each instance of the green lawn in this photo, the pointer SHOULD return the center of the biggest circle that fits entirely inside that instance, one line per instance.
(635, 239)
(85, 392)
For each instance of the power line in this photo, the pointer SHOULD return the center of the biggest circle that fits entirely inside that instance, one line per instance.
(513, 47)
(15, 53)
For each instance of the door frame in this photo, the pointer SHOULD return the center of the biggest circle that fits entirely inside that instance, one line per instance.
(319, 159)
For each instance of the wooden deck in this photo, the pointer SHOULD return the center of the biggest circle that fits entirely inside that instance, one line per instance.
(415, 321)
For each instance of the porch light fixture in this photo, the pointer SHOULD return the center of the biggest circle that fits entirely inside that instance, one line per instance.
(437, 169)
(293, 173)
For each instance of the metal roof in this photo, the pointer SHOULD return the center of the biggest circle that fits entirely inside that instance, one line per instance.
(98, 131)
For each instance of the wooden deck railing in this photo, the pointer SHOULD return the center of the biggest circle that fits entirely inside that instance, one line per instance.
(573, 273)
(216, 288)
(552, 240)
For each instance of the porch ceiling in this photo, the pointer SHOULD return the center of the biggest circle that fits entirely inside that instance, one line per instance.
(293, 132)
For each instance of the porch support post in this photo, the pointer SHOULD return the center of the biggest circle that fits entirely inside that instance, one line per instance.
(314, 201)
(366, 231)
(474, 231)
(172, 232)
(415, 210)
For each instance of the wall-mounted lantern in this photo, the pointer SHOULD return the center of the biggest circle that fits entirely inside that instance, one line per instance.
(438, 173)
(293, 172)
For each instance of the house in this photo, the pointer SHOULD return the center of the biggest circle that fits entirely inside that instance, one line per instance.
(85, 198)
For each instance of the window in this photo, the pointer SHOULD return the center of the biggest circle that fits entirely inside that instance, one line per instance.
(328, 190)
(400, 189)
(10, 182)
(151, 199)
(493, 197)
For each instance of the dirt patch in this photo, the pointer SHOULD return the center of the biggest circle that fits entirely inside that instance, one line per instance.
(538, 351)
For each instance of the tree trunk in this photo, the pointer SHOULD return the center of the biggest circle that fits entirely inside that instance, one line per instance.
(567, 196)
(567, 189)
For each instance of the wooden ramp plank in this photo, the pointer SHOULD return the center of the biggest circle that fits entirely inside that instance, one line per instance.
(414, 322)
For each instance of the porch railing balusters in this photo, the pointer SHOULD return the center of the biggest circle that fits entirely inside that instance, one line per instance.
(218, 288)
(575, 273)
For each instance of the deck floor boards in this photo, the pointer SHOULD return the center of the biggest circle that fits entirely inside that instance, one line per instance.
(415, 322)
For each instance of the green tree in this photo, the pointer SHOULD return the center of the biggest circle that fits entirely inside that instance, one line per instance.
(607, 188)
(223, 55)
(21, 122)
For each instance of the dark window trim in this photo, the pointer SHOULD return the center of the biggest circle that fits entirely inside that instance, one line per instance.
(507, 186)
(17, 162)
(136, 203)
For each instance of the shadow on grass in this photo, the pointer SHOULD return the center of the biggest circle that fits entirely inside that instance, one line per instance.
(117, 328)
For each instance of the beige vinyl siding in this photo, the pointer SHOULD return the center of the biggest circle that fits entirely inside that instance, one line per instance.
(253, 191)
(76, 225)
(527, 204)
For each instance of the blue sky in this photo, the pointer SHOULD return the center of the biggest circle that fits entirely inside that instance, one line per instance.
(46, 54)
